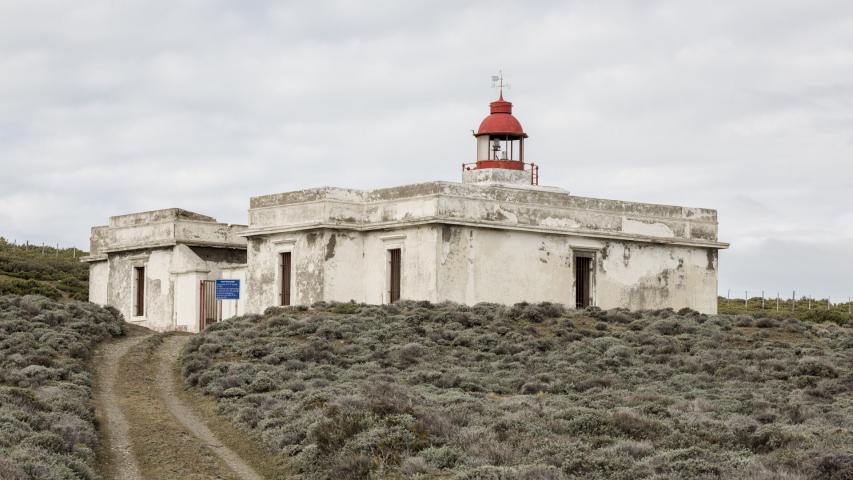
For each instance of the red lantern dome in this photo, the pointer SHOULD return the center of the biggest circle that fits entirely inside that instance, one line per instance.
(501, 121)
(500, 145)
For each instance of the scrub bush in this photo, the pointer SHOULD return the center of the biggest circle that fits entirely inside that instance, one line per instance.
(47, 421)
(45, 271)
(418, 390)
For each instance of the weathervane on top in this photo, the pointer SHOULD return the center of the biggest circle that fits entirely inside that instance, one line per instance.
(498, 82)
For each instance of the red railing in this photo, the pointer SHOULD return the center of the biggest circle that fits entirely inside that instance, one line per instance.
(534, 173)
(527, 166)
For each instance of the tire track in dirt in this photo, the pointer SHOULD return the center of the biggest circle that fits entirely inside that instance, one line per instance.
(122, 461)
(167, 357)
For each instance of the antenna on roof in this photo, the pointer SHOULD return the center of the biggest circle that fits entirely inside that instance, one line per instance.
(498, 82)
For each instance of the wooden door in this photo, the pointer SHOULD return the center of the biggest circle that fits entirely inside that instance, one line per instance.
(583, 274)
(286, 269)
(139, 307)
(394, 288)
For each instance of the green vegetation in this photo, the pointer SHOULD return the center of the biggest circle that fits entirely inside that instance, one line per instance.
(53, 273)
(814, 310)
(533, 392)
(47, 428)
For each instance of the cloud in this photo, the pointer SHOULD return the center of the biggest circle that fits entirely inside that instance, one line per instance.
(744, 107)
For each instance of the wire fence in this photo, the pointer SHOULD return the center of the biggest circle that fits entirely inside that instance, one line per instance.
(44, 249)
(793, 304)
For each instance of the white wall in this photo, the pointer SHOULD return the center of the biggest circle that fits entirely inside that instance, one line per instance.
(99, 273)
(504, 266)
(159, 293)
(187, 298)
(640, 276)
(263, 272)
(235, 308)
(418, 277)
(470, 265)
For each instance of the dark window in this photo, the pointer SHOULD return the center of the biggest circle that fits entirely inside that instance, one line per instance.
(139, 301)
(285, 278)
(395, 275)
(583, 277)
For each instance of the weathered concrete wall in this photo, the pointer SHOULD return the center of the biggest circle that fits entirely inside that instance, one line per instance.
(475, 242)
(343, 256)
(504, 266)
(640, 276)
(178, 249)
(159, 298)
(233, 308)
(539, 209)
(263, 272)
(157, 216)
(187, 299)
(334, 265)
(160, 228)
(470, 265)
(99, 273)
(418, 257)
(497, 175)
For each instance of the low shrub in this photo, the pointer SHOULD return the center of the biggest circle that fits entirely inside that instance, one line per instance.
(47, 421)
(826, 316)
(835, 466)
(531, 391)
(767, 322)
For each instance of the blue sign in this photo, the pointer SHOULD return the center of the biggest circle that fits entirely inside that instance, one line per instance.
(228, 289)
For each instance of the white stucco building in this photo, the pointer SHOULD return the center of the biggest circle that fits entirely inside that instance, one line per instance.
(154, 267)
(495, 237)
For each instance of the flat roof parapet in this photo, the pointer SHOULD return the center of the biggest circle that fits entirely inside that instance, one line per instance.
(162, 228)
(506, 193)
(154, 216)
(487, 205)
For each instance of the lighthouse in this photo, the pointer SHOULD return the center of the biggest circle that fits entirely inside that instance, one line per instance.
(498, 236)
(500, 149)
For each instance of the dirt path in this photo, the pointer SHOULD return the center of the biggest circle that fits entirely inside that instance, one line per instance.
(167, 356)
(122, 461)
(138, 403)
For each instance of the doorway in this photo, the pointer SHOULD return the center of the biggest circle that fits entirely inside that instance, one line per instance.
(583, 282)
(285, 274)
(394, 276)
(210, 308)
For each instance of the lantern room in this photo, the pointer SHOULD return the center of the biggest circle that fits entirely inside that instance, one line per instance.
(500, 138)
(500, 145)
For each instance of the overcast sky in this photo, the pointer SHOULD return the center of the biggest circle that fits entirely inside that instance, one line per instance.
(743, 106)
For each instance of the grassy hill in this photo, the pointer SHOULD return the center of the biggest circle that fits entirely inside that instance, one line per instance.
(53, 273)
(533, 392)
(47, 421)
(815, 310)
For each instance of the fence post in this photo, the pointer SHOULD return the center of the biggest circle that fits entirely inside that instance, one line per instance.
(793, 300)
(745, 299)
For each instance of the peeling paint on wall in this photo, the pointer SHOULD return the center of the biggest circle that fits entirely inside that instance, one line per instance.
(330, 247)
(649, 228)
